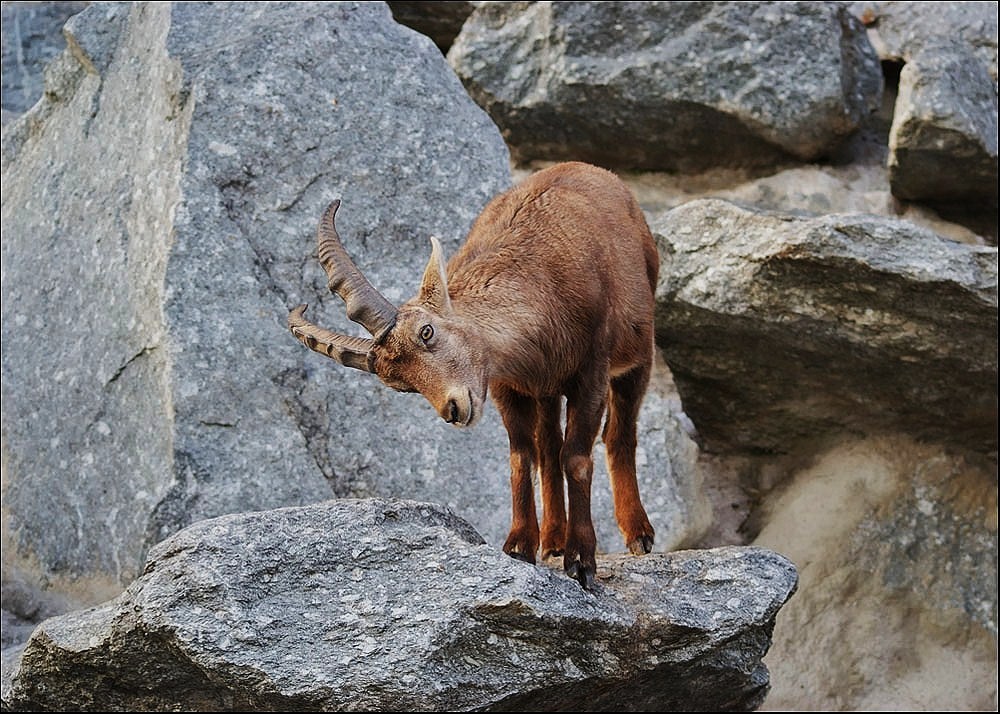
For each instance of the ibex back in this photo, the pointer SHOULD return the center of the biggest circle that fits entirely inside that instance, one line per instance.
(551, 296)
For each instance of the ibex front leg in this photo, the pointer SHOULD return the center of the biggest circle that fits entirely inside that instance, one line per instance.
(584, 410)
(518, 412)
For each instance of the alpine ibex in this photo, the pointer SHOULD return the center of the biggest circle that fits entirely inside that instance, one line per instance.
(551, 296)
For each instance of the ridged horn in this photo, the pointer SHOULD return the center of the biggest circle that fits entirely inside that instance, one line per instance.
(349, 351)
(365, 305)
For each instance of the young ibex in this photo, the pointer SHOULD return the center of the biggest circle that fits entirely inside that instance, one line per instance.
(550, 296)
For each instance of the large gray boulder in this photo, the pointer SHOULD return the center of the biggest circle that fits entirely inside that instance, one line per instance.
(901, 30)
(376, 605)
(671, 86)
(849, 363)
(781, 328)
(943, 141)
(159, 217)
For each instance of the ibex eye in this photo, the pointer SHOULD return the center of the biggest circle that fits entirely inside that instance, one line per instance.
(426, 333)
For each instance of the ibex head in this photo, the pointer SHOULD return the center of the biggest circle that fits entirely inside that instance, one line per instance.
(423, 346)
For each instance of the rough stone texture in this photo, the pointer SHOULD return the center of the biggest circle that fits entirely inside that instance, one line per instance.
(400, 606)
(857, 188)
(441, 20)
(780, 328)
(30, 38)
(896, 545)
(899, 30)
(672, 86)
(943, 142)
(24, 607)
(86, 440)
(159, 218)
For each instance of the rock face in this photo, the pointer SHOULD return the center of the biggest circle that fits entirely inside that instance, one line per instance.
(149, 377)
(844, 366)
(397, 606)
(943, 142)
(903, 535)
(780, 328)
(901, 30)
(31, 38)
(670, 86)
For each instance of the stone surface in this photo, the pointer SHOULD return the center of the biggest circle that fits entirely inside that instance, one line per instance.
(159, 215)
(858, 187)
(781, 328)
(899, 30)
(671, 86)
(400, 606)
(943, 141)
(24, 607)
(896, 545)
(30, 38)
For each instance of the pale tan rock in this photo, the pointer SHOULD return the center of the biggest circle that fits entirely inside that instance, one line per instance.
(895, 542)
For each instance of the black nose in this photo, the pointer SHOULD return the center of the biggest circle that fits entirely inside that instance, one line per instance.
(452, 411)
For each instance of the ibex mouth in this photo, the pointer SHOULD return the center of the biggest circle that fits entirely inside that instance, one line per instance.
(461, 410)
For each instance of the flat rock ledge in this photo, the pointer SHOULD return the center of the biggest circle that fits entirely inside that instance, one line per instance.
(397, 605)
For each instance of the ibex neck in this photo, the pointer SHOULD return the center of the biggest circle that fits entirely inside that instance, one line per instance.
(514, 342)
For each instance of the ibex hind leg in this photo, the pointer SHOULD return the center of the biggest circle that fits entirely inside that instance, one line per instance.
(548, 447)
(620, 441)
(584, 410)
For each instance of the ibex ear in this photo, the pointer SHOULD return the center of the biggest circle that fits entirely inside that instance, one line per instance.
(434, 286)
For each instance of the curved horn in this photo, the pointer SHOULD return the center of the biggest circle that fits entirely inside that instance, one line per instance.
(365, 305)
(349, 351)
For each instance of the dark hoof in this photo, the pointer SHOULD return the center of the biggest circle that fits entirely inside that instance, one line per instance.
(641, 545)
(552, 553)
(521, 556)
(582, 574)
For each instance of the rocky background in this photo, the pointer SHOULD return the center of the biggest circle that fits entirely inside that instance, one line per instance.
(822, 182)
